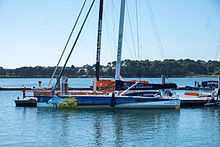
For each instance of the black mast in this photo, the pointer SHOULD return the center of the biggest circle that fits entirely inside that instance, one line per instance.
(99, 39)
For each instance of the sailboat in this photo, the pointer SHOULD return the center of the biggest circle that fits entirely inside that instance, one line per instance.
(119, 98)
(100, 86)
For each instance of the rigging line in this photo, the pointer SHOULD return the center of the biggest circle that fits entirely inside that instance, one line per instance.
(158, 35)
(114, 30)
(78, 46)
(127, 47)
(155, 29)
(217, 51)
(138, 46)
(111, 32)
(132, 36)
(109, 35)
(161, 46)
(73, 46)
(67, 43)
(111, 43)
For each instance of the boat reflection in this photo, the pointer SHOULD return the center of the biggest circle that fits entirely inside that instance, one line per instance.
(106, 127)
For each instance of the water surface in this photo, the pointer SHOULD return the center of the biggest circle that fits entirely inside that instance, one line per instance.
(63, 127)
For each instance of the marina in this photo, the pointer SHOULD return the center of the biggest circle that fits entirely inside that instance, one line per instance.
(124, 76)
(197, 99)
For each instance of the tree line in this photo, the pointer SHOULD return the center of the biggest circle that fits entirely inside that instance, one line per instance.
(129, 69)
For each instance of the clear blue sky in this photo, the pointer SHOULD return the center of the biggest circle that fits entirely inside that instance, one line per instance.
(34, 32)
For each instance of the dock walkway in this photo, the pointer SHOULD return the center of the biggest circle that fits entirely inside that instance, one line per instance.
(193, 102)
(26, 102)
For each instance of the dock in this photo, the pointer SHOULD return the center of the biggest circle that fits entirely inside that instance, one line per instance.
(14, 88)
(26, 102)
(73, 88)
(185, 102)
(193, 102)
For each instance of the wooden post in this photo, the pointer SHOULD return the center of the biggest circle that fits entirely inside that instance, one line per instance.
(94, 84)
(64, 85)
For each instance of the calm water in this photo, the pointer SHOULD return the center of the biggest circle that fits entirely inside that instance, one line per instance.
(64, 127)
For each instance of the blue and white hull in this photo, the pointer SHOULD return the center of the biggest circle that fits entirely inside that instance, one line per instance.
(105, 101)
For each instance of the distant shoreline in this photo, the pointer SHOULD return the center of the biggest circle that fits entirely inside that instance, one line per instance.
(129, 68)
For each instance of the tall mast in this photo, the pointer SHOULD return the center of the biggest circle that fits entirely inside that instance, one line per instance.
(120, 37)
(99, 39)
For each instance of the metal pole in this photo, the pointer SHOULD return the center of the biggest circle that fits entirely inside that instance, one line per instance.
(120, 37)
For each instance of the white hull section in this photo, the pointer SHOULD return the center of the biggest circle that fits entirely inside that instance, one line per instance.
(161, 104)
